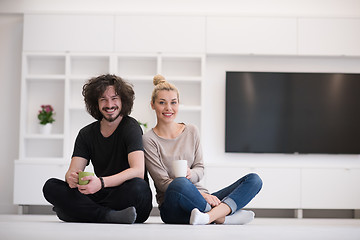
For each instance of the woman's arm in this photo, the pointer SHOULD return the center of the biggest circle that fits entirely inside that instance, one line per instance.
(197, 168)
(155, 165)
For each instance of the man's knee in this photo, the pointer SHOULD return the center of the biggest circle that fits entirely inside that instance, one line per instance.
(51, 188)
(139, 187)
(50, 185)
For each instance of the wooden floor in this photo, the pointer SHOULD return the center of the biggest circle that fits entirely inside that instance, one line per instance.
(41, 227)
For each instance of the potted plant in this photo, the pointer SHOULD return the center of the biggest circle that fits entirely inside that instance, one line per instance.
(143, 126)
(46, 117)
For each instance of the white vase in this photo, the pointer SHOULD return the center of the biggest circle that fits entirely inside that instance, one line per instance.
(45, 128)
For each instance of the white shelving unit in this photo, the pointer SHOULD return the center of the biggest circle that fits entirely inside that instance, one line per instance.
(55, 68)
(57, 79)
(43, 82)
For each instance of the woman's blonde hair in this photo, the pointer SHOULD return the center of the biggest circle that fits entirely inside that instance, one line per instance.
(160, 83)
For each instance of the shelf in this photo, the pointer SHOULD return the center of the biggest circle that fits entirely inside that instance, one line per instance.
(137, 66)
(58, 78)
(181, 66)
(45, 65)
(43, 136)
(43, 148)
(89, 66)
(48, 77)
(42, 93)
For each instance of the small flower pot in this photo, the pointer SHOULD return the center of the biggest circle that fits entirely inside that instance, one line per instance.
(45, 128)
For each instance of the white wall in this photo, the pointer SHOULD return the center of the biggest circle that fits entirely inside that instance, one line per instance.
(10, 66)
(214, 89)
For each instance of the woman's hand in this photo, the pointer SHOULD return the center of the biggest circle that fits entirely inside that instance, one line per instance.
(188, 173)
(92, 187)
(211, 199)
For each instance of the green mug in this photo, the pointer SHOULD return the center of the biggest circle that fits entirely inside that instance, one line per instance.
(84, 174)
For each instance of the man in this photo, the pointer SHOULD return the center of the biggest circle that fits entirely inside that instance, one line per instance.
(118, 193)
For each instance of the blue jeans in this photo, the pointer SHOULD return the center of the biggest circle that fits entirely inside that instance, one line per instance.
(181, 197)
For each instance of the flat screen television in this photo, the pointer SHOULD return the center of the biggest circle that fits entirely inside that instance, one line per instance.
(288, 112)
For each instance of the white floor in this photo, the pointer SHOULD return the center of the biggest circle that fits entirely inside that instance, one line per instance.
(41, 227)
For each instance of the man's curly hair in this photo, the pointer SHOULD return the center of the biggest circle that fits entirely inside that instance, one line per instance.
(95, 87)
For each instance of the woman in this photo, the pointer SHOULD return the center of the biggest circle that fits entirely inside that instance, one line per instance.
(183, 200)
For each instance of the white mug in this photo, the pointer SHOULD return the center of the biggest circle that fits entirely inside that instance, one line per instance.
(180, 168)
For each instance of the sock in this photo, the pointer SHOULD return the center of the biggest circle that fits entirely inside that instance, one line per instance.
(240, 217)
(198, 218)
(127, 215)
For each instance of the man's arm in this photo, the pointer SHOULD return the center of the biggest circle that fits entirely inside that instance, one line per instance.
(137, 169)
(77, 164)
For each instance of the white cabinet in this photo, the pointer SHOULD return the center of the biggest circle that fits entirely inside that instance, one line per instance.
(57, 78)
(191, 34)
(68, 32)
(280, 190)
(330, 188)
(30, 178)
(293, 187)
(247, 35)
(322, 36)
(178, 34)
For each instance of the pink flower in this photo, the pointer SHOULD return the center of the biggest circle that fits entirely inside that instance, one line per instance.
(46, 114)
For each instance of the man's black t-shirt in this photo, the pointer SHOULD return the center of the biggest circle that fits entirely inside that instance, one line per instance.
(109, 155)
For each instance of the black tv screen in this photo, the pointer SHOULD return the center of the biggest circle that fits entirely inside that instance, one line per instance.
(276, 112)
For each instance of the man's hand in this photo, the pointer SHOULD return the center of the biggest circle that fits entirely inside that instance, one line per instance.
(73, 179)
(92, 187)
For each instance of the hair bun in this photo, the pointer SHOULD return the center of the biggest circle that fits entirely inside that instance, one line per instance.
(158, 79)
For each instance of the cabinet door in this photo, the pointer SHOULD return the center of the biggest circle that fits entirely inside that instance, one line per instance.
(29, 180)
(281, 186)
(160, 34)
(242, 35)
(66, 32)
(330, 188)
(329, 37)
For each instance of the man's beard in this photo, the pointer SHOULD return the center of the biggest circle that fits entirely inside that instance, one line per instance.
(111, 119)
